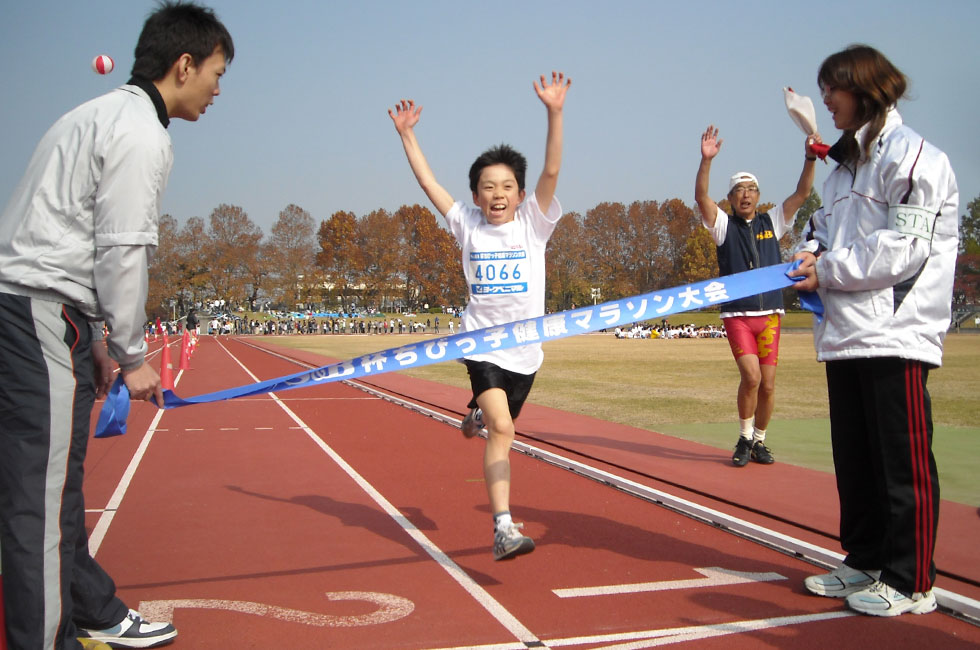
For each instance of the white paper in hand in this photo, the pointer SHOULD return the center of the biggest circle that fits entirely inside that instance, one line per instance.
(801, 111)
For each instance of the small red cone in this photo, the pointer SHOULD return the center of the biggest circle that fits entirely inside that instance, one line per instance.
(166, 367)
(185, 351)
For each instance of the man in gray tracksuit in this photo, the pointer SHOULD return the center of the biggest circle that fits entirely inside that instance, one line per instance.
(75, 240)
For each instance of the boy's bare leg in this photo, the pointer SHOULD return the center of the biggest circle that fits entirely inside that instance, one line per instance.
(496, 456)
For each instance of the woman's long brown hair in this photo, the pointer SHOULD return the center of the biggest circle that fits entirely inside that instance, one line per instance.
(876, 84)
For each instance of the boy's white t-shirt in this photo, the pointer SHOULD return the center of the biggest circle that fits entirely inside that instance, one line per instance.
(505, 273)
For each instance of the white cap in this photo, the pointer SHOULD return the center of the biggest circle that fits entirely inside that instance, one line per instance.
(741, 177)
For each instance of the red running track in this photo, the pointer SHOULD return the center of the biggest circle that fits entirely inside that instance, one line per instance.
(329, 518)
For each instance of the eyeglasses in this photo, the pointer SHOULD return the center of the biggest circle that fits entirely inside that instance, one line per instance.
(746, 189)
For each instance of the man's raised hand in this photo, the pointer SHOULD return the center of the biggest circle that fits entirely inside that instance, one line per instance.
(710, 142)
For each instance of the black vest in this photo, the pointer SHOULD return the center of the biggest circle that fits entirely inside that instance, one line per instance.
(750, 245)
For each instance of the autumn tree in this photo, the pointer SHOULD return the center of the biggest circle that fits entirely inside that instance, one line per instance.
(790, 240)
(678, 221)
(164, 276)
(966, 287)
(647, 231)
(339, 256)
(291, 256)
(379, 237)
(193, 259)
(608, 250)
(432, 264)
(700, 258)
(566, 283)
(235, 241)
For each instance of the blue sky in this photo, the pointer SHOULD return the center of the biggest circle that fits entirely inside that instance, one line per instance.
(302, 115)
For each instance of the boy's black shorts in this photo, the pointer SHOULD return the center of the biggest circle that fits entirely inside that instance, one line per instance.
(484, 375)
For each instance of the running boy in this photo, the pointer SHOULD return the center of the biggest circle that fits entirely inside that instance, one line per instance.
(747, 239)
(503, 238)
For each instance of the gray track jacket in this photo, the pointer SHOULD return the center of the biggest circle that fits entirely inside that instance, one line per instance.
(82, 223)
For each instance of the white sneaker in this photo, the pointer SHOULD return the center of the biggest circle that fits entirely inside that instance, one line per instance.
(881, 600)
(133, 632)
(509, 542)
(841, 582)
(473, 423)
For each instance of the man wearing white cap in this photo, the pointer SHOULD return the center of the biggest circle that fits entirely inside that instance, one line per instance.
(748, 240)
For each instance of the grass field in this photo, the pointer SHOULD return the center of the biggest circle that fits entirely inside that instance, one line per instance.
(686, 388)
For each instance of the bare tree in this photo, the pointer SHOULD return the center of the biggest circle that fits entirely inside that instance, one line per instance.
(234, 240)
(291, 254)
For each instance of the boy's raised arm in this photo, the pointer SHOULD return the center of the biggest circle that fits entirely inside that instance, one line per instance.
(552, 95)
(405, 116)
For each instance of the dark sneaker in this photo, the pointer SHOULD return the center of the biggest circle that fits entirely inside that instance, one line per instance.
(743, 449)
(881, 600)
(133, 632)
(761, 453)
(473, 423)
(509, 542)
(841, 582)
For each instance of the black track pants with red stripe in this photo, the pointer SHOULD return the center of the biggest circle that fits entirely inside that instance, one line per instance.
(881, 429)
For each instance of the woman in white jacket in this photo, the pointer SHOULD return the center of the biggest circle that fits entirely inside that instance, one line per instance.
(881, 254)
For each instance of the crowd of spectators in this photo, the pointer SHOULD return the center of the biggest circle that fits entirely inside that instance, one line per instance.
(284, 325)
(668, 331)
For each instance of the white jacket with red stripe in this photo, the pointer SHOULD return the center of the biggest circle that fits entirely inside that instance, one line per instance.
(886, 239)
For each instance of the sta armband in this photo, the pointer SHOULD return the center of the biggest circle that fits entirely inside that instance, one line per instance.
(911, 220)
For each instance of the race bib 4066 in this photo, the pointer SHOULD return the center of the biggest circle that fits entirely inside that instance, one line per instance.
(493, 272)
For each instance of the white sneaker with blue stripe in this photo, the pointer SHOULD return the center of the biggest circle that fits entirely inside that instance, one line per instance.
(841, 582)
(881, 600)
(133, 632)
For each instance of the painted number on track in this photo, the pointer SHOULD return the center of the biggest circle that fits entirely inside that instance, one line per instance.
(390, 608)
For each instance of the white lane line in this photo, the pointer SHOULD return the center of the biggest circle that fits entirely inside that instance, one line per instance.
(653, 638)
(714, 577)
(102, 525)
(105, 520)
(498, 611)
